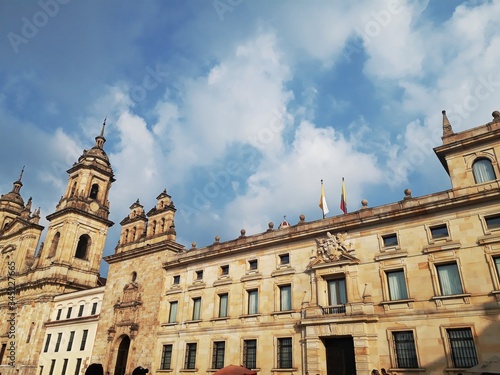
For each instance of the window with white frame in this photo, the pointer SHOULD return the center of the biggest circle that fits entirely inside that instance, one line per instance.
(196, 308)
(284, 352)
(218, 354)
(166, 357)
(190, 359)
(483, 170)
(337, 292)
(52, 365)
(449, 279)
(223, 300)
(285, 297)
(396, 282)
(65, 366)
(77, 367)
(250, 354)
(462, 348)
(47, 343)
(58, 342)
(71, 338)
(172, 315)
(84, 339)
(405, 353)
(253, 301)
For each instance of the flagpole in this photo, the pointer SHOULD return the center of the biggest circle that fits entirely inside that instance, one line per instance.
(343, 198)
(322, 196)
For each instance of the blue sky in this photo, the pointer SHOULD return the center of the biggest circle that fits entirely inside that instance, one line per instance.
(239, 108)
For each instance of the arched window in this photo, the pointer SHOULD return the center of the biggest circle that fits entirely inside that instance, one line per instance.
(73, 189)
(125, 236)
(483, 170)
(134, 230)
(153, 229)
(93, 191)
(54, 244)
(82, 247)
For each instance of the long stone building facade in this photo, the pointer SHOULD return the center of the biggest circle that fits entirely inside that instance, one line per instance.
(411, 286)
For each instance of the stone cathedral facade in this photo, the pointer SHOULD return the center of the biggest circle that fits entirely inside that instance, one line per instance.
(411, 286)
(68, 260)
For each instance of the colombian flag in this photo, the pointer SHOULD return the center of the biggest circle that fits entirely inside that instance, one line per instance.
(343, 198)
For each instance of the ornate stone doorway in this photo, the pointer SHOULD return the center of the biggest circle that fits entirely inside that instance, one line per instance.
(122, 355)
(340, 355)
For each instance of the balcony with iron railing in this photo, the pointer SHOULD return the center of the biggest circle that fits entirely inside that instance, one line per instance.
(351, 311)
(334, 310)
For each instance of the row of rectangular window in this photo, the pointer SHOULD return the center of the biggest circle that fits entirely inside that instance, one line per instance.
(80, 311)
(448, 277)
(388, 240)
(284, 354)
(253, 304)
(440, 231)
(78, 365)
(70, 341)
(224, 270)
(460, 340)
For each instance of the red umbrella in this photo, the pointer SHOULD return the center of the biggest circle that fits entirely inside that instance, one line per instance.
(235, 370)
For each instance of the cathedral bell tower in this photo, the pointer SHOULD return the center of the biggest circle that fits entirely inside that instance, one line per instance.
(78, 228)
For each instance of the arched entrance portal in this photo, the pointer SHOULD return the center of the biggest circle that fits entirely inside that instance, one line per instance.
(121, 357)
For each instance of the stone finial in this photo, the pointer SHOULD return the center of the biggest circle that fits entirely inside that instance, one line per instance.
(407, 193)
(243, 232)
(193, 245)
(270, 226)
(447, 129)
(28, 205)
(364, 203)
(302, 219)
(217, 239)
(496, 116)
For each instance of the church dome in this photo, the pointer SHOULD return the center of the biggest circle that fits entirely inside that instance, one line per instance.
(95, 152)
(12, 197)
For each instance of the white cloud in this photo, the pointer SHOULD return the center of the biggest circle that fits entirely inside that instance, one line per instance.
(242, 99)
(290, 181)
